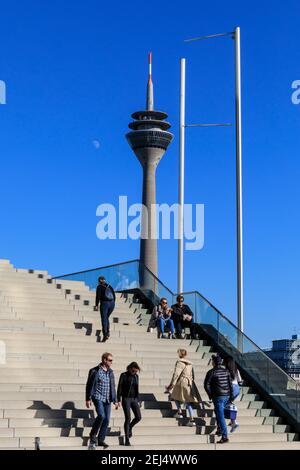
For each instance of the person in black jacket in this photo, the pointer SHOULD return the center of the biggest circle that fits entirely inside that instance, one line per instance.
(218, 386)
(128, 392)
(182, 317)
(101, 391)
(105, 295)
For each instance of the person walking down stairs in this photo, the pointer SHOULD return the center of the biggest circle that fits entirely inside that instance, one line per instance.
(101, 391)
(128, 395)
(183, 388)
(105, 295)
(218, 386)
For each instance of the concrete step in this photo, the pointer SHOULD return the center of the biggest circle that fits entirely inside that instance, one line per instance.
(85, 431)
(34, 422)
(77, 410)
(21, 357)
(30, 347)
(191, 447)
(26, 399)
(7, 279)
(48, 341)
(23, 336)
(9, 442)
(42, 308)
(32, 297)
(73, 346)
(40, 289)
(71, 441)
(13, 274)
(69, 318)
(167, 354)
(21, 324)
(142, 431)
(33, 272)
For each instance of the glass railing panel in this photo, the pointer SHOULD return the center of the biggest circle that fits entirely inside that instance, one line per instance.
(207, 317)
(228, 335)
(283, 389)
(121, 277)
(254, 362)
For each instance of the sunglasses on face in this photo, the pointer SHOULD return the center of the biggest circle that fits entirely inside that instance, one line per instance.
(109, 360)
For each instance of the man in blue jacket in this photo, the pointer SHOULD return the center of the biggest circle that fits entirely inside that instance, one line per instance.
(101, 390)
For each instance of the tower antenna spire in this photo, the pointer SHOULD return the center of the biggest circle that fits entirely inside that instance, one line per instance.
(150, 99)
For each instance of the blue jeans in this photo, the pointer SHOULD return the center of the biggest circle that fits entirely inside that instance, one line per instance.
(106, 309)
(101, 422)
(168, 323)
(219, 404)
(187, 405)
(236, 391)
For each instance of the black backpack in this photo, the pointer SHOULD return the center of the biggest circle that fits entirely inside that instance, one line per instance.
(108, 293)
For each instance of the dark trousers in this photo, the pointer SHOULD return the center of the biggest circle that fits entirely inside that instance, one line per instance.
(180, 324)
(101, 423)
(130, 404)
(106, 309)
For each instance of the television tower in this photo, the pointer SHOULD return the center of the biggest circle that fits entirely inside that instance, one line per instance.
(149, 139)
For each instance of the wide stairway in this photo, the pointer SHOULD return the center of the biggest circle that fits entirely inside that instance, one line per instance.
(49, 334)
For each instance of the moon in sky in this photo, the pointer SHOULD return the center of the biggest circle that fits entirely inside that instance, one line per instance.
(96, 144)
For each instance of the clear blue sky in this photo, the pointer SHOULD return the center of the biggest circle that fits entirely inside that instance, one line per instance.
(75, 71)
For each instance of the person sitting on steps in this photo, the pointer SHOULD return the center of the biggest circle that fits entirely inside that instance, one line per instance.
(162, 317)
(183, 318)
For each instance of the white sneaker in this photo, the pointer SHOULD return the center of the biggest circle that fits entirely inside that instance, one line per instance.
(190, 424)
(150, 330)
(234, 427)
(178, 415)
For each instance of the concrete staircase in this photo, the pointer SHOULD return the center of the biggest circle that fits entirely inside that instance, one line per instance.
(51, 336)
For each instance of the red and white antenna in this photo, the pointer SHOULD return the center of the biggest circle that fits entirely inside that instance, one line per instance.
(150, 102)
(150, 64)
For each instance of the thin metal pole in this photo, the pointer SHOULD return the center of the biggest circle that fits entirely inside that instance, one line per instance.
(181, 177)
(239, 200)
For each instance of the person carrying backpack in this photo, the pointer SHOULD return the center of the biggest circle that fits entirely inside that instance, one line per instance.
(105, 295)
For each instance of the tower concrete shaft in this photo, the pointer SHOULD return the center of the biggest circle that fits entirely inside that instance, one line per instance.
(149, 139)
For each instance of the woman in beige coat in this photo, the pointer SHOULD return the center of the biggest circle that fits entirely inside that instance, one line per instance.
(182, 387)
